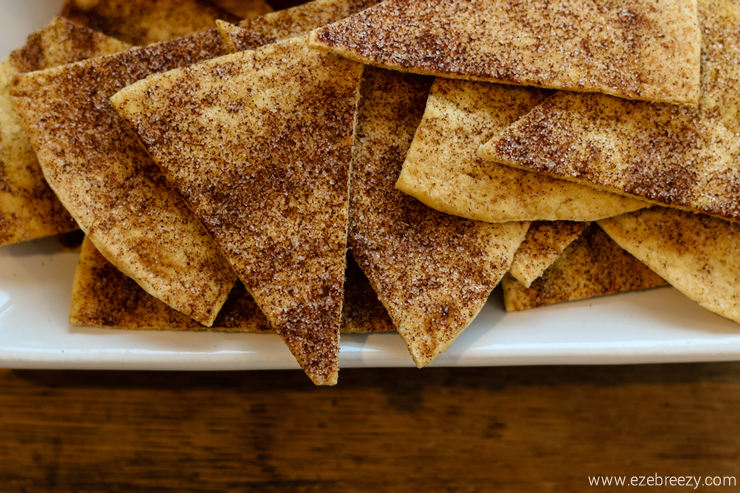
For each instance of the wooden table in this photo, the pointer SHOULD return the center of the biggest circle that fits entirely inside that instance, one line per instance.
(475, 429)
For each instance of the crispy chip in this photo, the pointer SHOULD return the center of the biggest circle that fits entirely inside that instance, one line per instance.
(593, 265)
(259, 144)
(432, 271)
(246, 9)
(680, 157)
(141, 22)
(105, 178)
(28, 207)
(695, 253)
(542, 246)
(443, 171)
(635, 50)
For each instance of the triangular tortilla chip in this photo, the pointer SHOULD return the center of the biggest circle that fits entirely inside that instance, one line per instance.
(246, 9)
(259, 144)
(542, 246)
(634, 50)
(106, 180)
(680, 157)
(287, 23)
(142, 22)
(433, 272)
(696, 254)
(593, 265)
(443, 171)
(28, 207)
(102, 296)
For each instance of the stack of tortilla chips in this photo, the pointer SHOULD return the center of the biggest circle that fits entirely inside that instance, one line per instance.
(222, 174)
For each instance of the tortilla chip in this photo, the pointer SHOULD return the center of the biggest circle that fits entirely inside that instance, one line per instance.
(284, 24)
(142, 22)
(593, 265)
(28, 208)
(102, 296)
(246, 9)
(634, 50)
(544, 243)
(433, 272)
(443, 171)
(696, 254)
(679, 157)
(259, 144)
(109, 184)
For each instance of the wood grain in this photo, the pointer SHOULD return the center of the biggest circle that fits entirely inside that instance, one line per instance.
(469, 430)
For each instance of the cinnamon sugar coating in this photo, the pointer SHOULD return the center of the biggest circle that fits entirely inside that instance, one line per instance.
(433, 272)
(637, 49)
(28, 207)
(593, 265)
(106, 180)
(687, 158)
(544, 243)
(259, 144)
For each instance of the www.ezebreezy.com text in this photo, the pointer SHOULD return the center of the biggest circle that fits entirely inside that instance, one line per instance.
(657, 480)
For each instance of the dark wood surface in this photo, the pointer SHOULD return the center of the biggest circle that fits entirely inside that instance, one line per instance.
(475, 429)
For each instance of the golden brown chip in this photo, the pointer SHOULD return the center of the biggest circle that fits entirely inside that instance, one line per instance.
(696, 254)
(259, 144)
(542, 246)
(106, 180)
(246, 9)
(28, 207)
(102, 296)
(680, 157)
(593, 265)
(443, 171)
(432, 271)
(141, 22)
(637, 50)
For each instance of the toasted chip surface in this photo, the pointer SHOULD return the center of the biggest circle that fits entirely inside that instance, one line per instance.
(28, 207)
(246, 9)
(109, 184)
(259, 144)
(593, 265)
(432, 271)
(443, 171)
(640, 49)
(142, 22)
(681, 157)
(102, 296)
(542, 246)
(695, 253)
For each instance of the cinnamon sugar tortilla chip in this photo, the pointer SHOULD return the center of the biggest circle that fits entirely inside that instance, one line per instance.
(688, 158)
(443, 171)
(432, 271)
(102, 296)
(542, 246)
(259, 144)
(593, 265)
(107, 181)
(28, 207)
(246, 9)
(142, 22)
(695, 253)
(637, 50)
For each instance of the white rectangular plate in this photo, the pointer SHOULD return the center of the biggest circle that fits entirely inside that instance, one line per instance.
(654, 326)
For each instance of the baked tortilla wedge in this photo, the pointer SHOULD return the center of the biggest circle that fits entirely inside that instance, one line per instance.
(246, 9)
(102, 296)
(687, 158)
(443, 171)
(259, 143)
(544, 243)
(641, 49)
(28, 208)
(695, 253)
(106, 180)
(593, 265)
(432, 271)
(142, 22)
